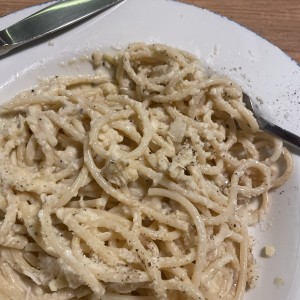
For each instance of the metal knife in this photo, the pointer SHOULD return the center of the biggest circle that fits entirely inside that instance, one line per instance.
(50, 19)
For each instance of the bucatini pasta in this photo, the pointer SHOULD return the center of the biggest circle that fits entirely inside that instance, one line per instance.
(137, 183)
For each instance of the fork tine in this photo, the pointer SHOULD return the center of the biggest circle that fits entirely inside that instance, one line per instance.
(248, 102)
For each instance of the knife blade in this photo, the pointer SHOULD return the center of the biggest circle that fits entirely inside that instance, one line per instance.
(50, 19)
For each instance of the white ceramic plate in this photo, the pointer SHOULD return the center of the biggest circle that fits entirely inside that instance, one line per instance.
(226, 47)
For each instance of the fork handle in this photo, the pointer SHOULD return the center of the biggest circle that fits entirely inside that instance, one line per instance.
(275, 130)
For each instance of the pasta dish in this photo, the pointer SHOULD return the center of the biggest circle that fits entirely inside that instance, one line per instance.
(137, 183)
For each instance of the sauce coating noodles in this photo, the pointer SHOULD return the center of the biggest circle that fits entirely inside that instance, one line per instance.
(137, 183)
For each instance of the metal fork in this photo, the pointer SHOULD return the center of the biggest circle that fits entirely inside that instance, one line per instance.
(270, 127)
